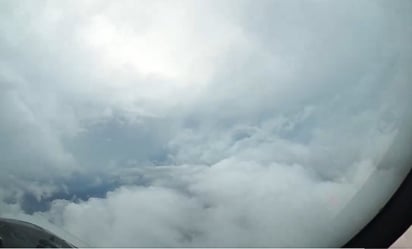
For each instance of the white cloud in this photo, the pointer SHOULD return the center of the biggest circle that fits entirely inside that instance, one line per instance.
(231, 203)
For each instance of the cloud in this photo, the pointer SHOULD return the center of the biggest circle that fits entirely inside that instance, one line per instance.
(219, 123)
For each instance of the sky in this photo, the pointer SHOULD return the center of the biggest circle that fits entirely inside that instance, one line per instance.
(203, 123)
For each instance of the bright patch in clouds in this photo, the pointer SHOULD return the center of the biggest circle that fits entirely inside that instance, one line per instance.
(170, 40)
(203, 123)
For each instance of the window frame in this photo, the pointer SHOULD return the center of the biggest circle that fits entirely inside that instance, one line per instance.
(390, 223)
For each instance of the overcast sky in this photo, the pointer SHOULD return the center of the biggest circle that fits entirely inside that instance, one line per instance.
(200, 123)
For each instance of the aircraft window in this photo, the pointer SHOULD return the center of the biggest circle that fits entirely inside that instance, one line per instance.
(219, 123)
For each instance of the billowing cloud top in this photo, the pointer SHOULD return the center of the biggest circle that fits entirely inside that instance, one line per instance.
(202, 123)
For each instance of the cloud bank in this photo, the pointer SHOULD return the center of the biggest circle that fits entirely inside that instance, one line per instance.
(189, 123)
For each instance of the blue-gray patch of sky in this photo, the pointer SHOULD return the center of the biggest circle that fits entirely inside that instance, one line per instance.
(77, 188)
(124, 144)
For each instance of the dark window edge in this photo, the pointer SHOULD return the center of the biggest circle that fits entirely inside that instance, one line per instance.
(390, 223)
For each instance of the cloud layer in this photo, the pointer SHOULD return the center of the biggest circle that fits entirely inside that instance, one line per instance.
(189, 123)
